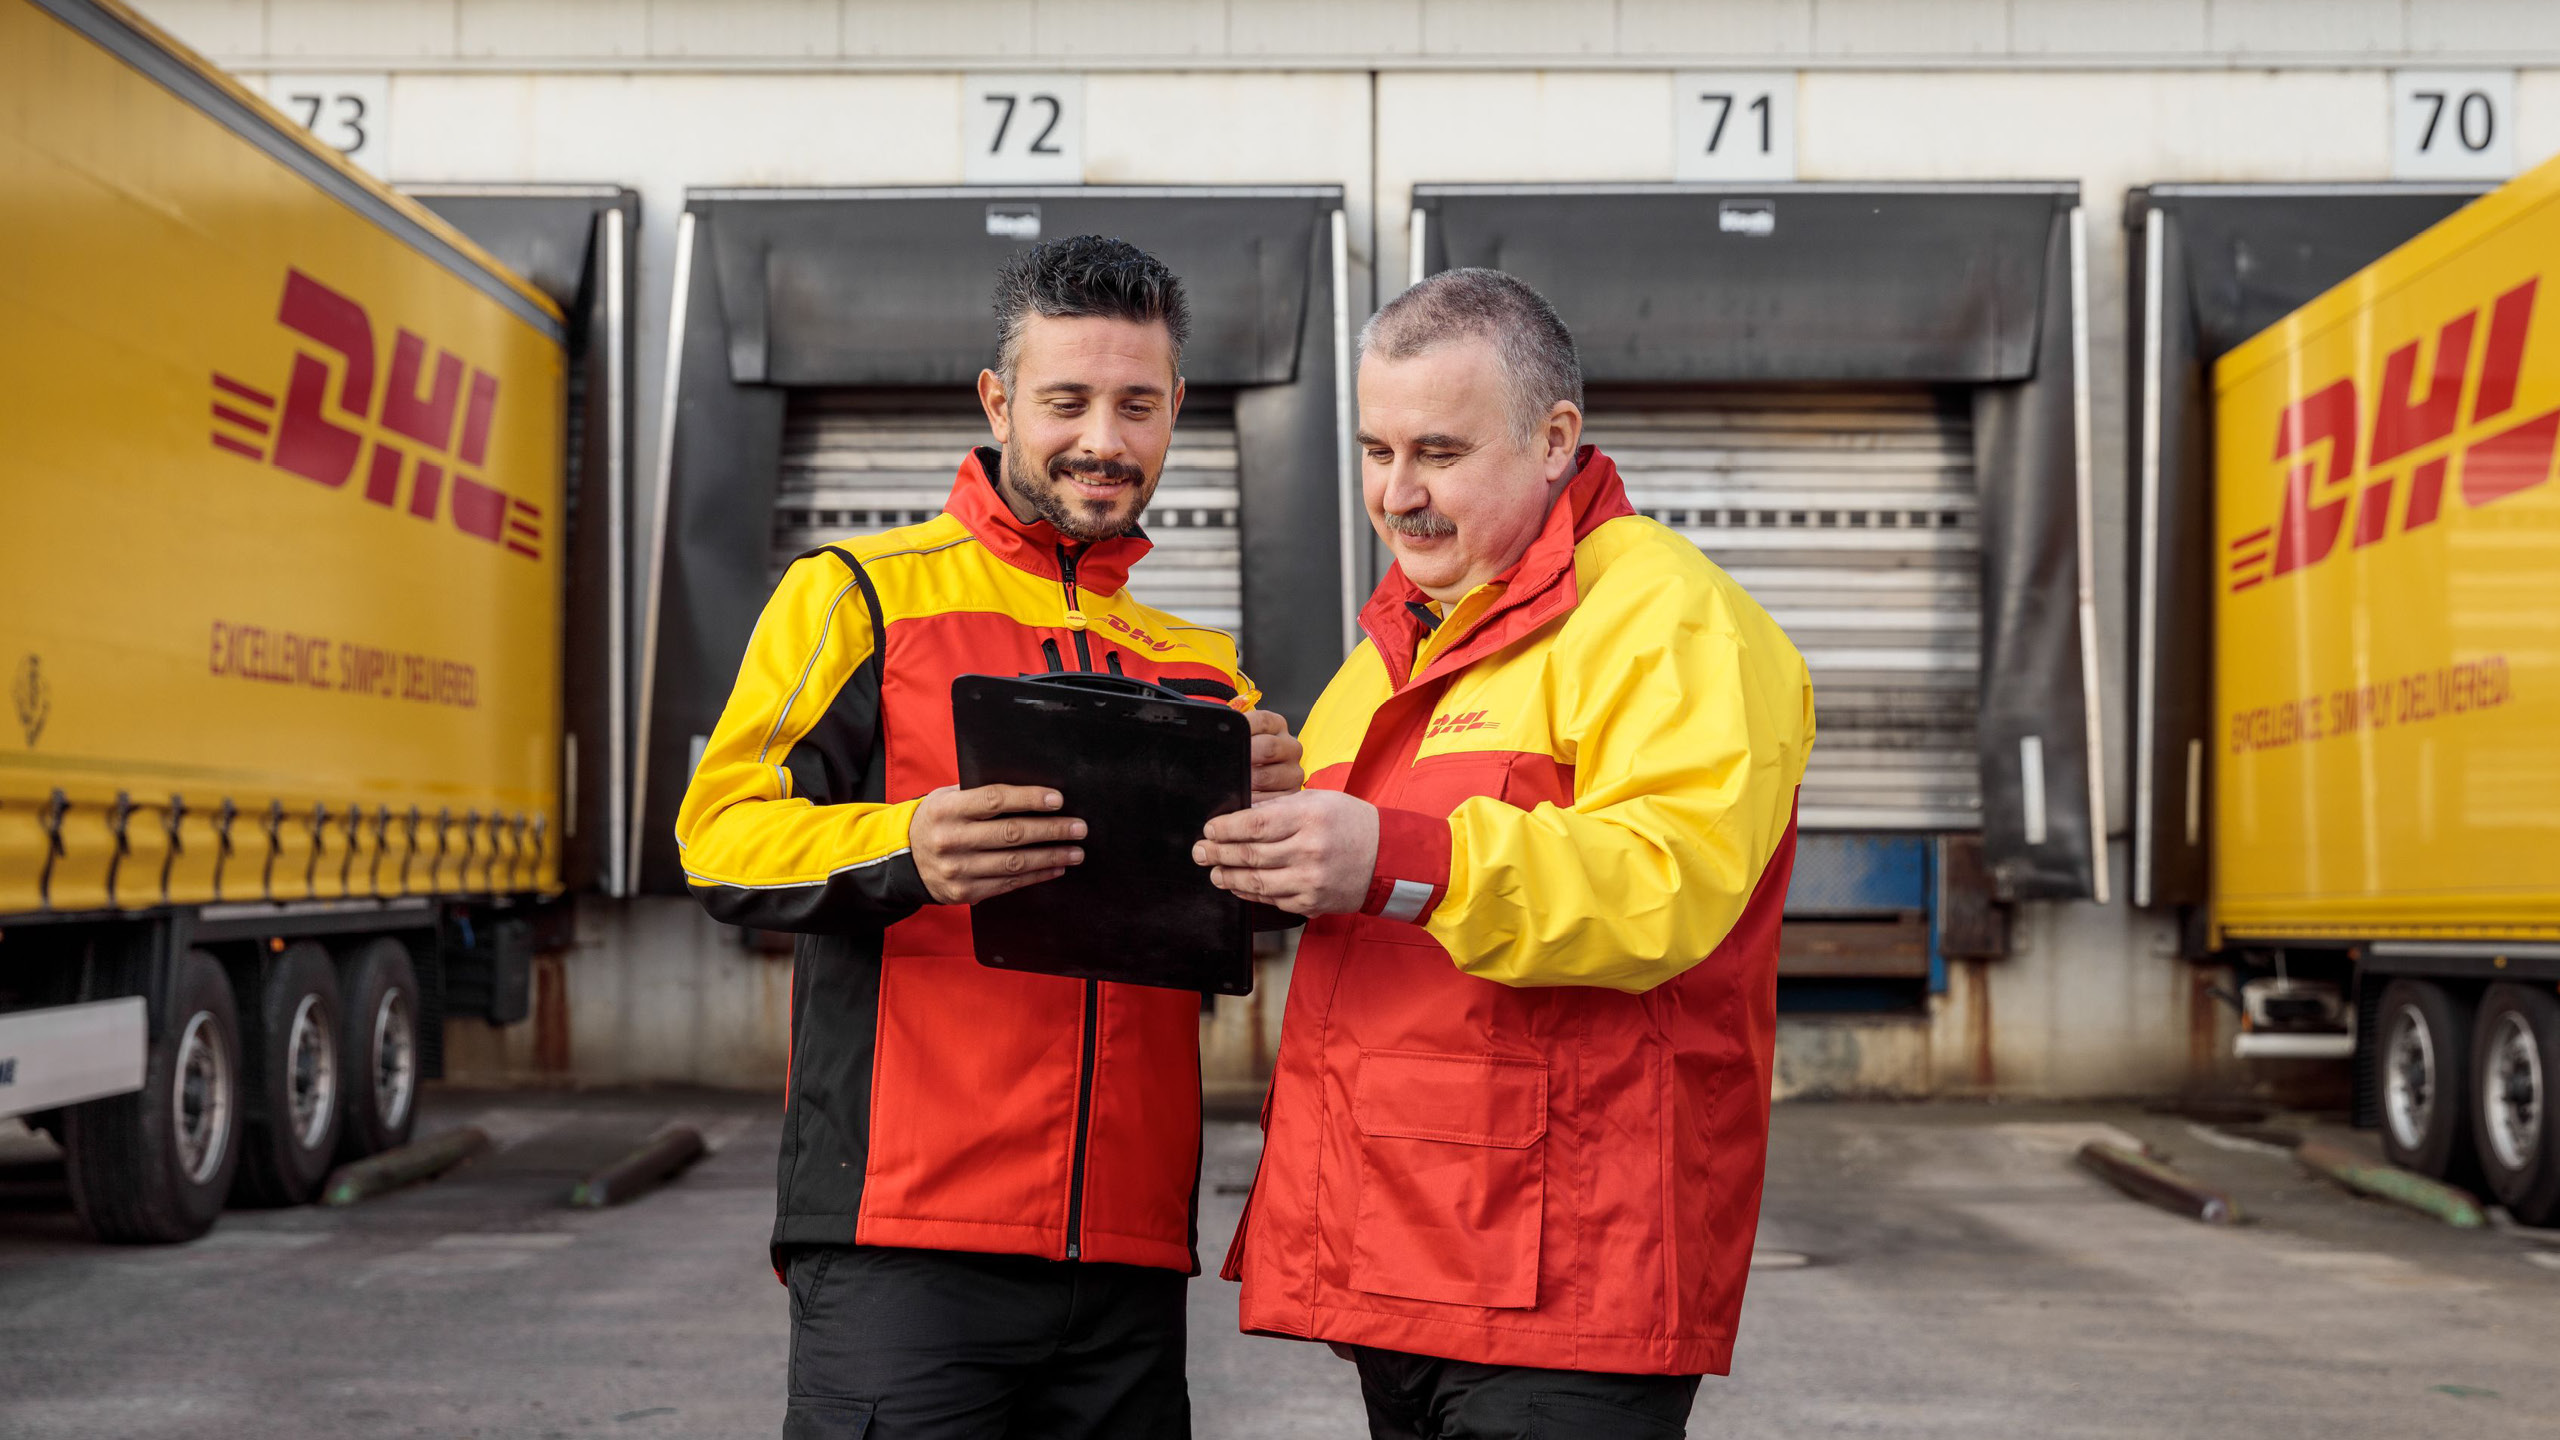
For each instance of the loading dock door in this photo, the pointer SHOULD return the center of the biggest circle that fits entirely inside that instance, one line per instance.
(1969, 291)
(574, 242)
(825, 346)
(855, 461)
(1851, 514)
(2212, 265)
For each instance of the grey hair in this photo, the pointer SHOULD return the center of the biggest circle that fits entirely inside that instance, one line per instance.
(1535, 351)
(1080, 275)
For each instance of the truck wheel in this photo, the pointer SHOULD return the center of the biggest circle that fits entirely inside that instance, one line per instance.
(290, 1130)
(2424, 1067)
(152, 1167)
(378, 1048)
(2516, 1070)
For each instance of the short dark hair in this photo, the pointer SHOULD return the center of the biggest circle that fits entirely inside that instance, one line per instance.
(1539, 365)
(1079, 275)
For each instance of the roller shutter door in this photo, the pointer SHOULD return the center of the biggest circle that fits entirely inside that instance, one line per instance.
(1852, 515)
(858, 461)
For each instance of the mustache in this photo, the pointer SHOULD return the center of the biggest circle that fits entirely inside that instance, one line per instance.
(1424, 524)
(1094, 467)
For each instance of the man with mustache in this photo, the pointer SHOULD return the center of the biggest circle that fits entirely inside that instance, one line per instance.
(987, 1175)
(1516, 1129)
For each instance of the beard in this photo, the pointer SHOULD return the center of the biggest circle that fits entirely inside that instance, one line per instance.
(1044, 489)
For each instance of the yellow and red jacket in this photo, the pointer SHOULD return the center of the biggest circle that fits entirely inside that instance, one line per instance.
(933, 1102)
(1521, 1105)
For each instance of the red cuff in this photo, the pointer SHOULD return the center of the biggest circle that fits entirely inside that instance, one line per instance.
(1412, 877)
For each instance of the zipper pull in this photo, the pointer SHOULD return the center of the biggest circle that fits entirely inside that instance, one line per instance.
(1073, 1252)
(1067, 580)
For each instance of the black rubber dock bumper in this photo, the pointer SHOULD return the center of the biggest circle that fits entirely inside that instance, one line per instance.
(2154, 1183)
(406, 1165)
(667, 1154)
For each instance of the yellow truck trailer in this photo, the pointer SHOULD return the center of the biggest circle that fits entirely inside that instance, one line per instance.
(2386, 782)
(281, 592)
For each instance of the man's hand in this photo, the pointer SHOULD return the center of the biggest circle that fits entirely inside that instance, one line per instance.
(1275, 756)
(1311, 853)
(970, 845)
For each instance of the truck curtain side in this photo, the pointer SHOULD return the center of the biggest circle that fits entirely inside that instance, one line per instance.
(280, 612)
(2386, 784)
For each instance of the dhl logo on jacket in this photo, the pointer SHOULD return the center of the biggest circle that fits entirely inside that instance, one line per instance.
(934, 1102)
(1521, 1104)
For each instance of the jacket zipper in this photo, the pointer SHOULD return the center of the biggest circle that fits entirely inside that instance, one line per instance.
(1075, 607)
(1092, 989)
(1084, 1119)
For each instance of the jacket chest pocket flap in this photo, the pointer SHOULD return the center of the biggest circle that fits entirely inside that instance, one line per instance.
(1452, 1177)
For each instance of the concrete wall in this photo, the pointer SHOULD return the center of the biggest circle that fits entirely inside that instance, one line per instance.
(1378, 95)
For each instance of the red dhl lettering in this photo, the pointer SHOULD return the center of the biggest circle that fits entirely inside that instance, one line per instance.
(1137, 635)
(1459, 724)
(420, 404)
(2324, 485)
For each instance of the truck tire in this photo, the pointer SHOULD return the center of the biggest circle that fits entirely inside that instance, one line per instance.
(289, 1130)
(2423, 1073)
(152, 1167)
(378, 1048)
(2516, 1070)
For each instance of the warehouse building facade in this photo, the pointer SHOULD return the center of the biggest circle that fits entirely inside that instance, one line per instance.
(1870, 293)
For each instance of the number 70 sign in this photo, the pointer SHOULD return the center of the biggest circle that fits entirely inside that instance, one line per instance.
(2453, 124)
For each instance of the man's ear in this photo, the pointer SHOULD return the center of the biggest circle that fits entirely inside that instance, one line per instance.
(995, 402)
(1563, 437)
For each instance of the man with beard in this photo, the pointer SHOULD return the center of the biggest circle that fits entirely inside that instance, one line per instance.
(1521, 1105)
(987, 1175)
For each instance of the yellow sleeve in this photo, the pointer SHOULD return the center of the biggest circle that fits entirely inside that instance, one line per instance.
(1687, 716)
(780, 828)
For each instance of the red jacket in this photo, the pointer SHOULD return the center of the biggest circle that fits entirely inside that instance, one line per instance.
(934, 1102)
(1521, 1105)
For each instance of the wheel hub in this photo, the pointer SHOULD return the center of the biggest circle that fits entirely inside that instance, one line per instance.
(395, 1060)
(200, 1101)
(2409, 1079)
(311, 1068)
(2512, 1108)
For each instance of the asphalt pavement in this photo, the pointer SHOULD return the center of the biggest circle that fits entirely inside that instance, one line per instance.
(1928, 1270)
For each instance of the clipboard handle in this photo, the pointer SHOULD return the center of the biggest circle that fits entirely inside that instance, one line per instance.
(1123, 685)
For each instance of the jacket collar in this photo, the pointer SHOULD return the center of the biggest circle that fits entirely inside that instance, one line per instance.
(1101, 566)
(1537, 588)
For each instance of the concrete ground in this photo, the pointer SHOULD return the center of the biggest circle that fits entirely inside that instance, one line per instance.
(1958, 1277)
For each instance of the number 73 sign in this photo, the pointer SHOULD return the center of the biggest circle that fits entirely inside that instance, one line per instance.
(350, 114)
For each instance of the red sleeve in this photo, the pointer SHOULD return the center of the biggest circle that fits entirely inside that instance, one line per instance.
(1412, 876)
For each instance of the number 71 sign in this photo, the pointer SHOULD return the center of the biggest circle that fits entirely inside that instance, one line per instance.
(1729, 126)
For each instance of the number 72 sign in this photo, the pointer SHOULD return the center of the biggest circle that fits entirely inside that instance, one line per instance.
(1022, 129)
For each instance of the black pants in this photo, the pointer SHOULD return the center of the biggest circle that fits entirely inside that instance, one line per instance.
(936, 1345)
(1415, 1397)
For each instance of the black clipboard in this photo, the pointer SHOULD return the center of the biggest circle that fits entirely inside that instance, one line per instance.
(1145, 768)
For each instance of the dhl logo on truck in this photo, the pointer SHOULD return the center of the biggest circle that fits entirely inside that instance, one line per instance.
(2496, 457)
(305, 441)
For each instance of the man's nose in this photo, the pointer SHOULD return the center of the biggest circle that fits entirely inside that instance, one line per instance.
(1405, 492)
(1105, 435)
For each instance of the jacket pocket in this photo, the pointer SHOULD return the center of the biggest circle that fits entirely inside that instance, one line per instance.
(1452, 1177)
(812, 1418)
